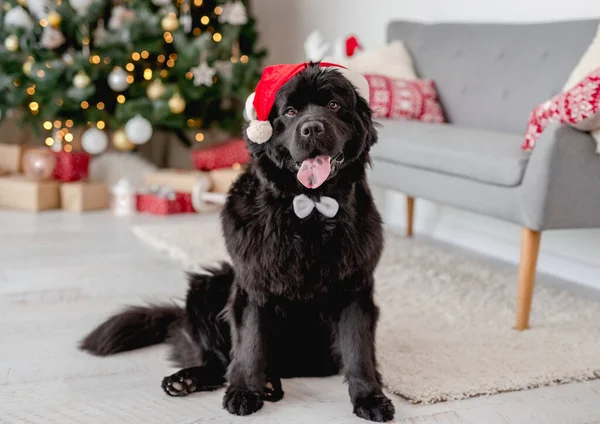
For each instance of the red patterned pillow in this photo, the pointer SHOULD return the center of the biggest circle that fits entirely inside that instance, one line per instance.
(578, 107)
(404, 99)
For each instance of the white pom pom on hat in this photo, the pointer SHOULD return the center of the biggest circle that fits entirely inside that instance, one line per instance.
(259, 104)
(257, 131)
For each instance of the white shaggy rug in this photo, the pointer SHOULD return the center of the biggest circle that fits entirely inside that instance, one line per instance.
(445, 329)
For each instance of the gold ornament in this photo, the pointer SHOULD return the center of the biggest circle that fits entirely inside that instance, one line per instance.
(81, 80)
(121, 141)
(170, 22)
(156, 90)
(22, 2)
(54, 19)
(27, 66)
(11, 43)
(176, 104)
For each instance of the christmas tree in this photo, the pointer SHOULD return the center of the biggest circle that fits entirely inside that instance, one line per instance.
(128, 66)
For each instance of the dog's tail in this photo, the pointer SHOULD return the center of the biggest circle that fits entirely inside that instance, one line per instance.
(133, 328)
(141, 326)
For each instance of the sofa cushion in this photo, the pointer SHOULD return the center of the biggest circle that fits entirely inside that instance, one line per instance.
(486, 156)
(399, 98)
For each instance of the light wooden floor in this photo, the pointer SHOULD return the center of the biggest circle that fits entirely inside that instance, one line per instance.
(61, 274)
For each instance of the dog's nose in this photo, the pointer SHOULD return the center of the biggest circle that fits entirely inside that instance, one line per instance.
(311, 128)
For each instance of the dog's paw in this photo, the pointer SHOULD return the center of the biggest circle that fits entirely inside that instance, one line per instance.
(178, 384)
(374, 407)
(241, 401)
(273, 391)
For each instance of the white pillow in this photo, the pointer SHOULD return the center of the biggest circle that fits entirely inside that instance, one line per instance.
(588, 63)
(391, 60)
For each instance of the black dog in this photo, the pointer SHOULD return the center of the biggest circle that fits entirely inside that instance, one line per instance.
(298, 299)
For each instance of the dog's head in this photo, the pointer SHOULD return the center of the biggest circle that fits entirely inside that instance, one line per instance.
(319, 121)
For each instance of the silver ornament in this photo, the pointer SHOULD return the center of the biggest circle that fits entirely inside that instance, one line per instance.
(138, 130)
(17, 17)
(117, 79)
(94, 141)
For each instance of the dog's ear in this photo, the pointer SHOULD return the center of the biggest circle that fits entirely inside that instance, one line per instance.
(255, 149)
(277, 155)
(365, 115)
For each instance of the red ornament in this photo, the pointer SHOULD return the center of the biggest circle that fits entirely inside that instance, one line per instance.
(404, 99)
(73, 166)
(163, 205)
(221, 156)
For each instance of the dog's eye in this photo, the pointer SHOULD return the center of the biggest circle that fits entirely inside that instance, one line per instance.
(290, 111)
(333, 105)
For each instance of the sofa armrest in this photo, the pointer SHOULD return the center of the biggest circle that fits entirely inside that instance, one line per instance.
(561, 185)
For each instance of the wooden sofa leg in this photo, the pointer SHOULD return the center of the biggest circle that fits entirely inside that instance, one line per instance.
(530, 245)
(410, 208)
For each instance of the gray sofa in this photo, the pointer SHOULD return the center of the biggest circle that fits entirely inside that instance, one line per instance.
(489, 78)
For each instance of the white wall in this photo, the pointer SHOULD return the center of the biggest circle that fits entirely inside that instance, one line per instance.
(284, 24)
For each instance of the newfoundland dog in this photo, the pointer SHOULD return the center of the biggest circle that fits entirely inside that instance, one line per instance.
(305, 237)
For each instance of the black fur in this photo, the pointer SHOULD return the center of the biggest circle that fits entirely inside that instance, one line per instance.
(298, 297)
(134, 328)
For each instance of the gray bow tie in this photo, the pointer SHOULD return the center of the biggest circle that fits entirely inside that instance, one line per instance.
(303, 206)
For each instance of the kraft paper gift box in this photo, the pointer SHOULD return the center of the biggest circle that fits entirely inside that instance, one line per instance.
(222, 179)
(84, 196)
(20, 192)
(10, 157)
(182, 181)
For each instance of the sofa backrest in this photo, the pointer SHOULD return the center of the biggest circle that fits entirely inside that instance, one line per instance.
(491, 76)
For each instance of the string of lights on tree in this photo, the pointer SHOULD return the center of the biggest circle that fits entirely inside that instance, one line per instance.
(129, 66)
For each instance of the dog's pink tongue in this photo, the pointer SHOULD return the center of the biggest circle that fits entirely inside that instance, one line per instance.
(313, 172)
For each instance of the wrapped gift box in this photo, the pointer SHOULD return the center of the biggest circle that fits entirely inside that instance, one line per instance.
(83, 196)
(10, 157)
(159, 204)
(181, 181)
(72, 166)
(220, 156)
(21, 193)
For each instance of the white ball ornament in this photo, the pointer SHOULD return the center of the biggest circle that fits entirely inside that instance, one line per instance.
(117, 79)
(94, 141)
(17, 17)
(138, 130)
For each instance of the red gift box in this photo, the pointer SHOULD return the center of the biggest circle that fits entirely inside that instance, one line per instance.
(221, 156)
(72, 166)
(160, 205)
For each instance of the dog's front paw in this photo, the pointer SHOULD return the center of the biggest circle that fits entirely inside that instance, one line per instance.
(273, 391)
(241, 401)
(178, 385)
(374, 407)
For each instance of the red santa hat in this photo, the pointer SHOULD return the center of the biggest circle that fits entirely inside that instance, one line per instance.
(260, 103)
